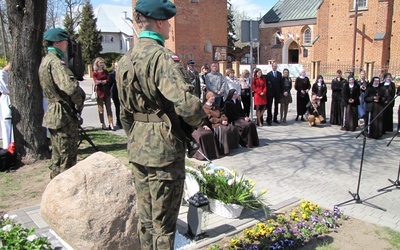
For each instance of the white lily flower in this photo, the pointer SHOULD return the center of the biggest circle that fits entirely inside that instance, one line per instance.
(6, 216)
(31, 237)
(13, 217)
(7, 228)
(230, 182)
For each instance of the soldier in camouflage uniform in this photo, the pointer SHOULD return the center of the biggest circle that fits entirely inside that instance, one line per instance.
(65, 102)
(154, 91)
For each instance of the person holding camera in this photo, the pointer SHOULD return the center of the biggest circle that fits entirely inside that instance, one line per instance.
(65, 102)
(156, 103)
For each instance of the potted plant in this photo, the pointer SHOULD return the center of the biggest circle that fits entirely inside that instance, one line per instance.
(227, 191)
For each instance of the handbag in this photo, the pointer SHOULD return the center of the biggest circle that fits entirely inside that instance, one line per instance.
(93, 97)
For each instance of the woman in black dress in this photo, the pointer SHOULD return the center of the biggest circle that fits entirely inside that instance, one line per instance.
(286, 96)
(245, 85)
(337, 107)
(375, 97)
(320, 89)
(350, 96)
(390, 89)
(236, 116)
(302, 87)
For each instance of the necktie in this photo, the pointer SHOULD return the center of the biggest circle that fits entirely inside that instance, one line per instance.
(275, 74)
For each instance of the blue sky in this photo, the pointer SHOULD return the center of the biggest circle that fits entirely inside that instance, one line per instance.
(253, 8)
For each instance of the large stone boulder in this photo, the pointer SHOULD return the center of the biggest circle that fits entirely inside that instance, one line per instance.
(93, 205)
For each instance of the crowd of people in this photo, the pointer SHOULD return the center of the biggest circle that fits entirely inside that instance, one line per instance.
(355, 103)
(226, 102)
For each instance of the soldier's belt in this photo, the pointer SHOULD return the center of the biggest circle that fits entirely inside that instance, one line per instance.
(142, 117)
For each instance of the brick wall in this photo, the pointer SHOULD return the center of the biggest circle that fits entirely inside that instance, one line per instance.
(194, 25)
(335, 27)
(395, 41)
(270, 51)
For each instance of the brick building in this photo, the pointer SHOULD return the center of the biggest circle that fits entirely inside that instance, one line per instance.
(199, 27)
(322, 31)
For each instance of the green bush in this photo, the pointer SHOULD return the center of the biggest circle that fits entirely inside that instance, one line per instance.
(14, 236)
(109, 58)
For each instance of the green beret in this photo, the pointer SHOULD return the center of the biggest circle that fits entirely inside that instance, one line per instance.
(55, 35)
(156, 9)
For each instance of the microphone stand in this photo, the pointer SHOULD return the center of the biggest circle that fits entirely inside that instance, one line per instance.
(395, 183)
(356, 195)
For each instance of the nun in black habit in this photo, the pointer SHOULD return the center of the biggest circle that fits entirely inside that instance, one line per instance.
(375, 97)
(236, 116)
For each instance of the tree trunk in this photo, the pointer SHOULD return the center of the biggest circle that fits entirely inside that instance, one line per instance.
(3, 35)
(27, 22)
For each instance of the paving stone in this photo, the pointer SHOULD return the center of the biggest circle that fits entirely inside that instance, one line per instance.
(317, 164)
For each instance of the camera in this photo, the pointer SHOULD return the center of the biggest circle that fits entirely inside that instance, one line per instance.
(74, 60)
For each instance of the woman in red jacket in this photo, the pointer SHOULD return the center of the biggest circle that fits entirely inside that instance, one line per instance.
(259, 87)
(101, 79)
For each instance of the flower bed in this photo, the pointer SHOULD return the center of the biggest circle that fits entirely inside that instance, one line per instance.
(14, 236)
(288, 231)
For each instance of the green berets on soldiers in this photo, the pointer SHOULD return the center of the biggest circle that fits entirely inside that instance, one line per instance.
(156, 100)
(65, 102)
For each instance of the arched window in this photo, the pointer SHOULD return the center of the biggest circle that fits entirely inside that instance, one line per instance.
(208, 47)
(307, 36)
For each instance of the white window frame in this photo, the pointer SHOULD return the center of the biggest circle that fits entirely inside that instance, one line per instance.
(364, 3)
(306, 39)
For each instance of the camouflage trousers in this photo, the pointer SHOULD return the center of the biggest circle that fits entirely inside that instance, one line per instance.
(159, 195)
(64, 148)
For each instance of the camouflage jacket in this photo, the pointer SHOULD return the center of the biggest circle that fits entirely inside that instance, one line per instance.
(58, 82)
(151, 68)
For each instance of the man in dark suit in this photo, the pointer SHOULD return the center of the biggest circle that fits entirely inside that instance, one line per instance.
(274, 91)
(195, 79)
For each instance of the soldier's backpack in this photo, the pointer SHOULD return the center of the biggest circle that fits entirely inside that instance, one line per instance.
(7, 160)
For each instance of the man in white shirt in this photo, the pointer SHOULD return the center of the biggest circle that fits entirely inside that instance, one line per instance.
(215, 82)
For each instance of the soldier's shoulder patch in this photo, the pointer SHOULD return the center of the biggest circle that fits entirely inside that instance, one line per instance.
(175, 58)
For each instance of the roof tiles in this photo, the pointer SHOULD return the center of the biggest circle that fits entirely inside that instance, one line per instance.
(289, 10)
